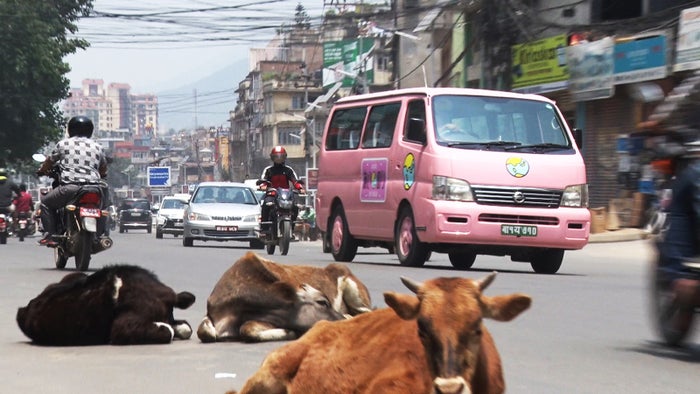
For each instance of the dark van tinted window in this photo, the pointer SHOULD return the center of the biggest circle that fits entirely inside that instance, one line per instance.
(345, 129)
(380, 126)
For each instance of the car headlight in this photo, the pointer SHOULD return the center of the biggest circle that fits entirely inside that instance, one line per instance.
(250, 218)
(453, 189)
(575, 196)
(197, 216)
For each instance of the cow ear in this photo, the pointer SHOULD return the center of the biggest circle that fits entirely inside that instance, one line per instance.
(405, 305)
(505, 307)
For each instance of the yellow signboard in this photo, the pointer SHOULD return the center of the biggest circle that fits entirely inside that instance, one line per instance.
(541, 62)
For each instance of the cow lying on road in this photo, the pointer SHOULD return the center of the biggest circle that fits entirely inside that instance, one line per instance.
(119, 305)
(434, 342)
(259, 300)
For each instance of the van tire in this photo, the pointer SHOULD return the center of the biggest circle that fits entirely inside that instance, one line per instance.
(343, 245)
(409, 249)
(462, 260)
(547, 261)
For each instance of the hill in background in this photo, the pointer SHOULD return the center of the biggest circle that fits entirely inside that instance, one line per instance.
(208, 100)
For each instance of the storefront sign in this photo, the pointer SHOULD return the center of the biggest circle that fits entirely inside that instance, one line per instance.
(640, 58)
(591, 70)
(688, 42)
(540, 66)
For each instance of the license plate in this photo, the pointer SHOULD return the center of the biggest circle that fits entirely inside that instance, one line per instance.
(518, 230)
(226, 228)
(90, 212)
(135, 213)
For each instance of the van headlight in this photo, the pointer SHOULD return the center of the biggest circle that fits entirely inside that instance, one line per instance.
(453, 189)
(575, 196)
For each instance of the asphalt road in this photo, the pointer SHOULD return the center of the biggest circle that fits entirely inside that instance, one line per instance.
(588, 331)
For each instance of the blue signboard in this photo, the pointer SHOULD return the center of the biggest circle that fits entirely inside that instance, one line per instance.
(159, 176)
(640, 58)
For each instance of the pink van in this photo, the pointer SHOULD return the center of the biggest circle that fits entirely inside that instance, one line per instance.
(456, 171)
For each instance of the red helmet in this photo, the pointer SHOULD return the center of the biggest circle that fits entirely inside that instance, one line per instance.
(278, 155)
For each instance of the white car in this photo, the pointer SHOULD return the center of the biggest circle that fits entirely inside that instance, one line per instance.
(170, 215)
(222, 211)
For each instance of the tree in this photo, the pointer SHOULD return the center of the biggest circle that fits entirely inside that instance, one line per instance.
(301, 17)
(34, 39)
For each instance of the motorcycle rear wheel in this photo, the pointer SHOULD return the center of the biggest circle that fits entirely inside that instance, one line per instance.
(60, 258)
(83, 251)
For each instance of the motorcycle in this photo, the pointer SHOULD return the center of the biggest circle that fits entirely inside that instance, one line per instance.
(23, 225)
(81, 224)
(4, 225)
(282, 215)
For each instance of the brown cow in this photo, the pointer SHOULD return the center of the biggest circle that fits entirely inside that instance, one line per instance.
(433, 343)
(259, 300)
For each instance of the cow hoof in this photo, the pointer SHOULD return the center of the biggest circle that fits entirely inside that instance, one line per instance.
(206, 331)
(166, 325)
(183, 331)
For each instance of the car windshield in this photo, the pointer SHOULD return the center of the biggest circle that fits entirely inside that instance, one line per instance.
(171, 204)
(225, 195)
(135, 205)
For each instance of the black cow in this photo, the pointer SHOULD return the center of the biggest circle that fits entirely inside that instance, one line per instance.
(259, 300)
(119, 305)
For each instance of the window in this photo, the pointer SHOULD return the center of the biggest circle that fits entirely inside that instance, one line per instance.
(415, 122)
(287, 136)
(344, 129)
(381, 125)
(298, 101)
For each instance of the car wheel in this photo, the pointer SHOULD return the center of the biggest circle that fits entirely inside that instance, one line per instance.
(343, 245)
(186, 241)
(462, 260)
(159, 233)
(121, 229)
(409, 249)
(547, 261)
(254, 244)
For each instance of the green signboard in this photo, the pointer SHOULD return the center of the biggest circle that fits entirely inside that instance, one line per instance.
(540, 66)
(342, 61)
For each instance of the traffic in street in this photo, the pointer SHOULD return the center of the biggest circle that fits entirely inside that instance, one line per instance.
(588, 330)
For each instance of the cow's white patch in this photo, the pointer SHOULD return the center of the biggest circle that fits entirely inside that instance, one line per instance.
(276, 334)
(455, 385)
(166, 325)
(117, 286)
(183, 331)
(308, 290)
(338, 299)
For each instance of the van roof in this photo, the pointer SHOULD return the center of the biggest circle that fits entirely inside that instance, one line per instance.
(440, 91)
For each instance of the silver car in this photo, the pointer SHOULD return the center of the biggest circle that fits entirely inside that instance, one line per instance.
(222, 211)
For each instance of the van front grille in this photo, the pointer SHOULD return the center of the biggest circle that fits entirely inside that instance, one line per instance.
(517, 197)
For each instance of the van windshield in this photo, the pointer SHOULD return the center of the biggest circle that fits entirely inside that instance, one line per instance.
(497, 123)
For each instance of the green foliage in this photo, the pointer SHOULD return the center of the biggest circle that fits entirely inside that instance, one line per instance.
(34, 39)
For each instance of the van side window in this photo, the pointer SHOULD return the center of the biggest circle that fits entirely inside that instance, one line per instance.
(345, 128)
(381, 125)
(415, 122)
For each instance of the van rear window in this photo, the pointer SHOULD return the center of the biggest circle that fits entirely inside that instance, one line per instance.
(345, 129)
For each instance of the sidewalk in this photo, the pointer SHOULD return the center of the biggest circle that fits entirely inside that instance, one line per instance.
(623, 234)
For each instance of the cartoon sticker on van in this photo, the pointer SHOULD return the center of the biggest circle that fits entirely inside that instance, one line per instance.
(374, 180)
(409, 171)
(517, 167)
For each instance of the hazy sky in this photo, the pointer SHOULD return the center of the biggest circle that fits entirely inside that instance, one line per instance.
(156, 45)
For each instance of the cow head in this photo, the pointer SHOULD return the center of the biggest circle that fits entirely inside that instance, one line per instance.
(449, 314)
(313, 306)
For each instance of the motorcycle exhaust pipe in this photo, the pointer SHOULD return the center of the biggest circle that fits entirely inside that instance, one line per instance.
(103, 244)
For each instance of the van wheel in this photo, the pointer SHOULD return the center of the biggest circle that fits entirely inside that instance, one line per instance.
(462, 260)
(410, 250)
(547, 261)
(343, 245)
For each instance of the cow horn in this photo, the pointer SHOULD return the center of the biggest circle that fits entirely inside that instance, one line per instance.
(411, 284)
(485, 282)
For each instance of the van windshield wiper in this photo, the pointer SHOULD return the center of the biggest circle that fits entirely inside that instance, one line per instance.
(487, 145)
(542, 146)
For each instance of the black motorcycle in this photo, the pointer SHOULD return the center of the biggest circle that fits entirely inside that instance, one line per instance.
(283, 212)
(81, 226)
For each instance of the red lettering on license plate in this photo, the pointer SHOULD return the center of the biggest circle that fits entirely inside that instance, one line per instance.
(90, 212)
(226, 228)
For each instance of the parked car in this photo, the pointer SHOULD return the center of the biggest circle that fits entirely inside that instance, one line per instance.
(170, 214)
(222, 211)
(135, 213)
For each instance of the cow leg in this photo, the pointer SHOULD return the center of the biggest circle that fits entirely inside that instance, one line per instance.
(256, 331)
(182, 329)
(131, 329)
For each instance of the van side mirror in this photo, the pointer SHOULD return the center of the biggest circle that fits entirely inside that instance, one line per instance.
(578, 137)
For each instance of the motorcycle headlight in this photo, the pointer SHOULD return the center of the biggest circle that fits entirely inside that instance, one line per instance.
(453, 189)
(194, 216)
(575, 196)
(285, 204)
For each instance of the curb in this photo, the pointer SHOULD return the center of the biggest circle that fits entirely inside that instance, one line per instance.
(621, 235)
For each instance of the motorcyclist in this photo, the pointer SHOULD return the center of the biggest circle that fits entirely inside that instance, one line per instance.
(7, 190)
(682, 239)
(278, 175)
(24, 203)
(81, 161)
